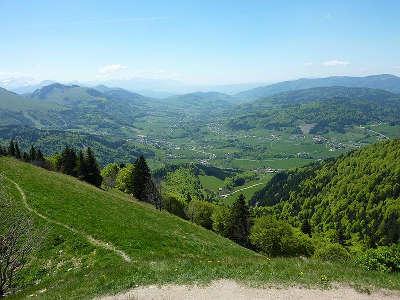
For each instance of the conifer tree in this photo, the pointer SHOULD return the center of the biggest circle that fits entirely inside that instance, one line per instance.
(32, 154)
(141, 179)
(11, 148)
(17, 151)
(68, 161)
(340, 233)
(81, 170)
(25, 157)
(306, 227)
(39, 155)
(92, 169)
(239, 227)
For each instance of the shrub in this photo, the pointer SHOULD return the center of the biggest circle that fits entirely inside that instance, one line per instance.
(174, 206)
(302, 244)
(200, 212)
(55, 161)
(124, 180)
(384, 259)
(332, 252)
(274, 237)
(221, 220)
(109, 174)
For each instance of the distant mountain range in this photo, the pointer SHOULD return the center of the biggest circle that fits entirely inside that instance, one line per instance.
(153, 88)
(386, 82)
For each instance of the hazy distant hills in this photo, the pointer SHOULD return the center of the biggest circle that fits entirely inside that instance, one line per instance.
(109, 110)
(386, 82)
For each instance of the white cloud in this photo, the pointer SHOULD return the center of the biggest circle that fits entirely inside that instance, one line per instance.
(111, 69)
(335, 63)
(308, 64)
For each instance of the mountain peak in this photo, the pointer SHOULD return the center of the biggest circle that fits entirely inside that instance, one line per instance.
(46, 90)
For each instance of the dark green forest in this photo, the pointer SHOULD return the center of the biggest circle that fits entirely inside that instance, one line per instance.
(354, 198)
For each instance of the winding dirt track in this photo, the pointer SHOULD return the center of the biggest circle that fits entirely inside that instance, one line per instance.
(89, 238)
(229, 290)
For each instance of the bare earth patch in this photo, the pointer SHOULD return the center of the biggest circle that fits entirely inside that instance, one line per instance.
(228, 289)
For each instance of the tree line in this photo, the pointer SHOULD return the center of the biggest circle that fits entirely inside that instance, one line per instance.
(133, 178)
(33, 155)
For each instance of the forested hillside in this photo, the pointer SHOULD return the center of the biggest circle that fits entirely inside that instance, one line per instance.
(327, 108)
(355, 198)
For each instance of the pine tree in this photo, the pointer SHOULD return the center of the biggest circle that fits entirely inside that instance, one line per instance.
(306, 227)
(239, 227)
(141, 179)
(39, 156)
(91, 168)
(32, 154)
(81, 170)
(17, 151)
(340, 233)
(68, 161)
(25, 157)
(11, 148)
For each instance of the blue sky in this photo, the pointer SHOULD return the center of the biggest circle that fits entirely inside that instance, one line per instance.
(205, 42)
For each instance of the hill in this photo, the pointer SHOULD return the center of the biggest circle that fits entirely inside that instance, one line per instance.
(326, 108)
(98, 242)
(17, 110)
(72, 107)
(386, 82)
(200, 102)
(356, 196)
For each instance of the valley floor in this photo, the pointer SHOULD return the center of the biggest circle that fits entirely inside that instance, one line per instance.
(229, 289)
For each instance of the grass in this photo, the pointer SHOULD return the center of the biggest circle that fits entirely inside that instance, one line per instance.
(163, 248)
(211, 183)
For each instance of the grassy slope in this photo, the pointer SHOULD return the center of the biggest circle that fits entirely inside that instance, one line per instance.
(211, 183)
(163, 248)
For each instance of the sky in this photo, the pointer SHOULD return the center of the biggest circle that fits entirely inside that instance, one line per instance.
(198, 42)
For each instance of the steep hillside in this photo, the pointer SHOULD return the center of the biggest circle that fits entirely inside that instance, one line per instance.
(386, 82)
(327, 108)
(98, 242)
(356, 196)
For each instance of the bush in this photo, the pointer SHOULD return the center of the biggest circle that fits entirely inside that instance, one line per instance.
(221, 220)
(124, 179)
(109, 174)
(302, 244)
(384, 259)
(332, 252)
(274, 237)
(200, 212)
(174, 206)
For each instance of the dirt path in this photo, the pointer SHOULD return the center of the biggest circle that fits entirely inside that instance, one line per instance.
(89, 238)
(242, 189)
(229, 290)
